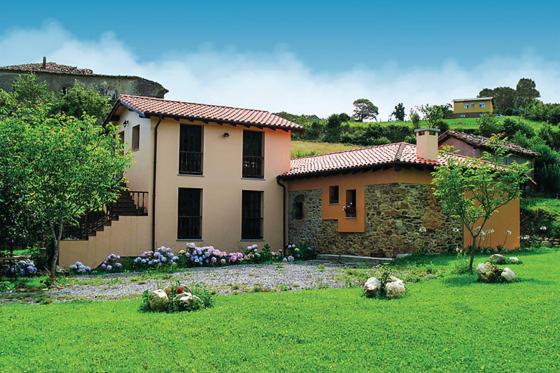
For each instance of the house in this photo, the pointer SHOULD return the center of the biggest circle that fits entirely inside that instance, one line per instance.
(472, 145)
(378, 201)
(222, 176)
(61, 77)
(472, 107)
(209, 174)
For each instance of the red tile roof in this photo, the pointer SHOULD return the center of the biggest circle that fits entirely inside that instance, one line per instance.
(482, 142)
(148, 106)
(360, 159)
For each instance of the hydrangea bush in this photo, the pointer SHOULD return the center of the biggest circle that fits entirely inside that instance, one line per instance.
(111, 264)
(163, 256)
(301, 252)
(209, 256)
(24, 268)
(79, 268)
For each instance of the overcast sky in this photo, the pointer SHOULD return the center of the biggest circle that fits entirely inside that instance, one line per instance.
(303, 57)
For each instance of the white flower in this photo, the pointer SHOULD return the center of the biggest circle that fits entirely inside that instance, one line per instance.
(508, 232)
(543, 228)
(422, 229)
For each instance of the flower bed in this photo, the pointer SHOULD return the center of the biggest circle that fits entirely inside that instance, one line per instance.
(176, 298)
(163, 256)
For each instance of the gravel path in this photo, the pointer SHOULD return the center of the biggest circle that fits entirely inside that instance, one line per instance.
(223, 280)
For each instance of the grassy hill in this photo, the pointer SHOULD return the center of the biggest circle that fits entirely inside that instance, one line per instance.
(308, 148)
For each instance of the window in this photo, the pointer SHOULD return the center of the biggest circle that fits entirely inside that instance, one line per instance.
(136, 137)
(298, 207)
(253, 154)
(465, 105)
(190, 150)
(333, 194)
(251, 215)
(472, 105)
(481, 105)
(350, 207)
(121, 137)
(189, 224)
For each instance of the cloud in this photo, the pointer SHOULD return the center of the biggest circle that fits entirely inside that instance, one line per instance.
(278, 80)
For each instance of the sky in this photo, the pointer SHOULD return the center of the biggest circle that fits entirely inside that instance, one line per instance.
(312, 57)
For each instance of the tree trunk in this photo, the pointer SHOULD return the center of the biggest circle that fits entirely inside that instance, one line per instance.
(472, 253)
(53, 257)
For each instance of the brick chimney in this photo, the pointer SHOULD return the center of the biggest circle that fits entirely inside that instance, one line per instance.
(44, 62)
(427, 143)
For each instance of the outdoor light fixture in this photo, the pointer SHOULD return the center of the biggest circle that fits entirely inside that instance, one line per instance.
(226, 134)
(125, 123)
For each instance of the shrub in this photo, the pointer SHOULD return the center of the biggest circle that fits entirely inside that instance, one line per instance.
(24, 268)
(208, 255)
(163, 256)
(304, 252)
(79, 268)
(177, 298)
(111, 264)
(489, 125)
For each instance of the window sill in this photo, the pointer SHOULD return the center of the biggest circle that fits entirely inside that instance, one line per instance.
(251, 240)
(192, 175)
(254, 178)
(350, 217)
(189, 239)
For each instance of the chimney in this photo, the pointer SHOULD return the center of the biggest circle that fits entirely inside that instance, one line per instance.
(427, 143)
(44, 62)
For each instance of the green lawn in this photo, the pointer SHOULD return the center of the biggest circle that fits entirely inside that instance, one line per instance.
(308, 148)
(460, 123)
(447, 324)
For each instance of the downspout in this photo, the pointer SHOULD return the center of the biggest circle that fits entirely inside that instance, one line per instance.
(284, 198)
(154, 177)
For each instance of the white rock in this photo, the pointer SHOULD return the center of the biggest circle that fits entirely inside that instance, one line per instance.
(158, 300)
(514, 260)
(372, 287)
(187, 300)
(508, 274)
(485, 271)
(395, 289)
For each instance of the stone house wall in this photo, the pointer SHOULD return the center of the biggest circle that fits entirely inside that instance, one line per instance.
(400, 218)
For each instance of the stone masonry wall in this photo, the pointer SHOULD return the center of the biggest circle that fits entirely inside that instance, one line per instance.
(400, 218)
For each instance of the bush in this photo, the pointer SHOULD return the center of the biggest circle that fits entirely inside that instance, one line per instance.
(489, 125)
(488, 272)
(304, 252)
(111, 264)
(163, 256)
(177, 298)
(79, 268)
(24, 268)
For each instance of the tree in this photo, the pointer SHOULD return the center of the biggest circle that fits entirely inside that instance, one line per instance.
(434, 115)
(71, 166)
(414, 118)
(504, 99)
(526, 92)
(80, 100)
(399, 112)
(473, 190)
(489, 125)
(332, 131)
(29, 92)
(365, 109)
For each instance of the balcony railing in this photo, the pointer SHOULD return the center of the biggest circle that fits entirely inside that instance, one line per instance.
(190, 162)
(252, 228)
(253, 166)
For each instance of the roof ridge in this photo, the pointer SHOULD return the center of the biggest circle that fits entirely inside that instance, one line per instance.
(199, 103)
(349, 151)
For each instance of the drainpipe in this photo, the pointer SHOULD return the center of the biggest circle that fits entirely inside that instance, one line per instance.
(154, 173)
(284, 197)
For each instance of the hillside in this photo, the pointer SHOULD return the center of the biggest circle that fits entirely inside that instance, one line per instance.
(308, 148)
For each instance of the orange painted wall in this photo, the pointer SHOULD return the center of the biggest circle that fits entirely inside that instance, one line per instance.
(508, 218)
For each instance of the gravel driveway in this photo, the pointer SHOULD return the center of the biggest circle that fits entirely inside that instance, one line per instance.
(223, 280)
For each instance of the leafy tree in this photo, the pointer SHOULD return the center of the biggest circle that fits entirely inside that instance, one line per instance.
(434, 115)
(365, 109)
(489, 125)
(526, 92)
(62, 168)
(414, 118)
(28, 91)
(333, 128)
(504, 99)
(472, 191)
(80, 100)
(399, 112)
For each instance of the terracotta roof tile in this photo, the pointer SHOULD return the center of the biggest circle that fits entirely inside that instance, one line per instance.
(391, 154)
(482, 142)
(148, 106)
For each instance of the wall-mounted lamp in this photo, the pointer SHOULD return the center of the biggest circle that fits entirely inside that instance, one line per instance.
(226, 134)
(125, 123)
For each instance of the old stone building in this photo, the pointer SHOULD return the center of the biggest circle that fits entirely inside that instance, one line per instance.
(61, 77)
(378, 201)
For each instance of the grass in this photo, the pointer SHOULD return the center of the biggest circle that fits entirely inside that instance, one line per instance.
(309, 148)
(449, 323)
(459, 123)
(551, 205)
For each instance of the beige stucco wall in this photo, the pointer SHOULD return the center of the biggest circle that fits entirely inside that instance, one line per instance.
(222, 185)
(128, 236)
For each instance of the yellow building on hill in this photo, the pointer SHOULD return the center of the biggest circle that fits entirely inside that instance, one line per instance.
(472, 107)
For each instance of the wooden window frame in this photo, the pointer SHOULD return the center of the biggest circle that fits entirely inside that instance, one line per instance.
(191, 162)
(252, 223)
(186, 218)
(135, 143)
(331, 195)
(253, 164)
(350, 207)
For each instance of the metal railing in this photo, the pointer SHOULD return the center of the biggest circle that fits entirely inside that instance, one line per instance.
(253, 166)
(189, 227)
(190, 162)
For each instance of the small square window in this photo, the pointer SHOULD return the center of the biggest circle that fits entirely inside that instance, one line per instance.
(333, 194)
(350, 207)
(465, 106)
(136, 137)
(482, 105)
